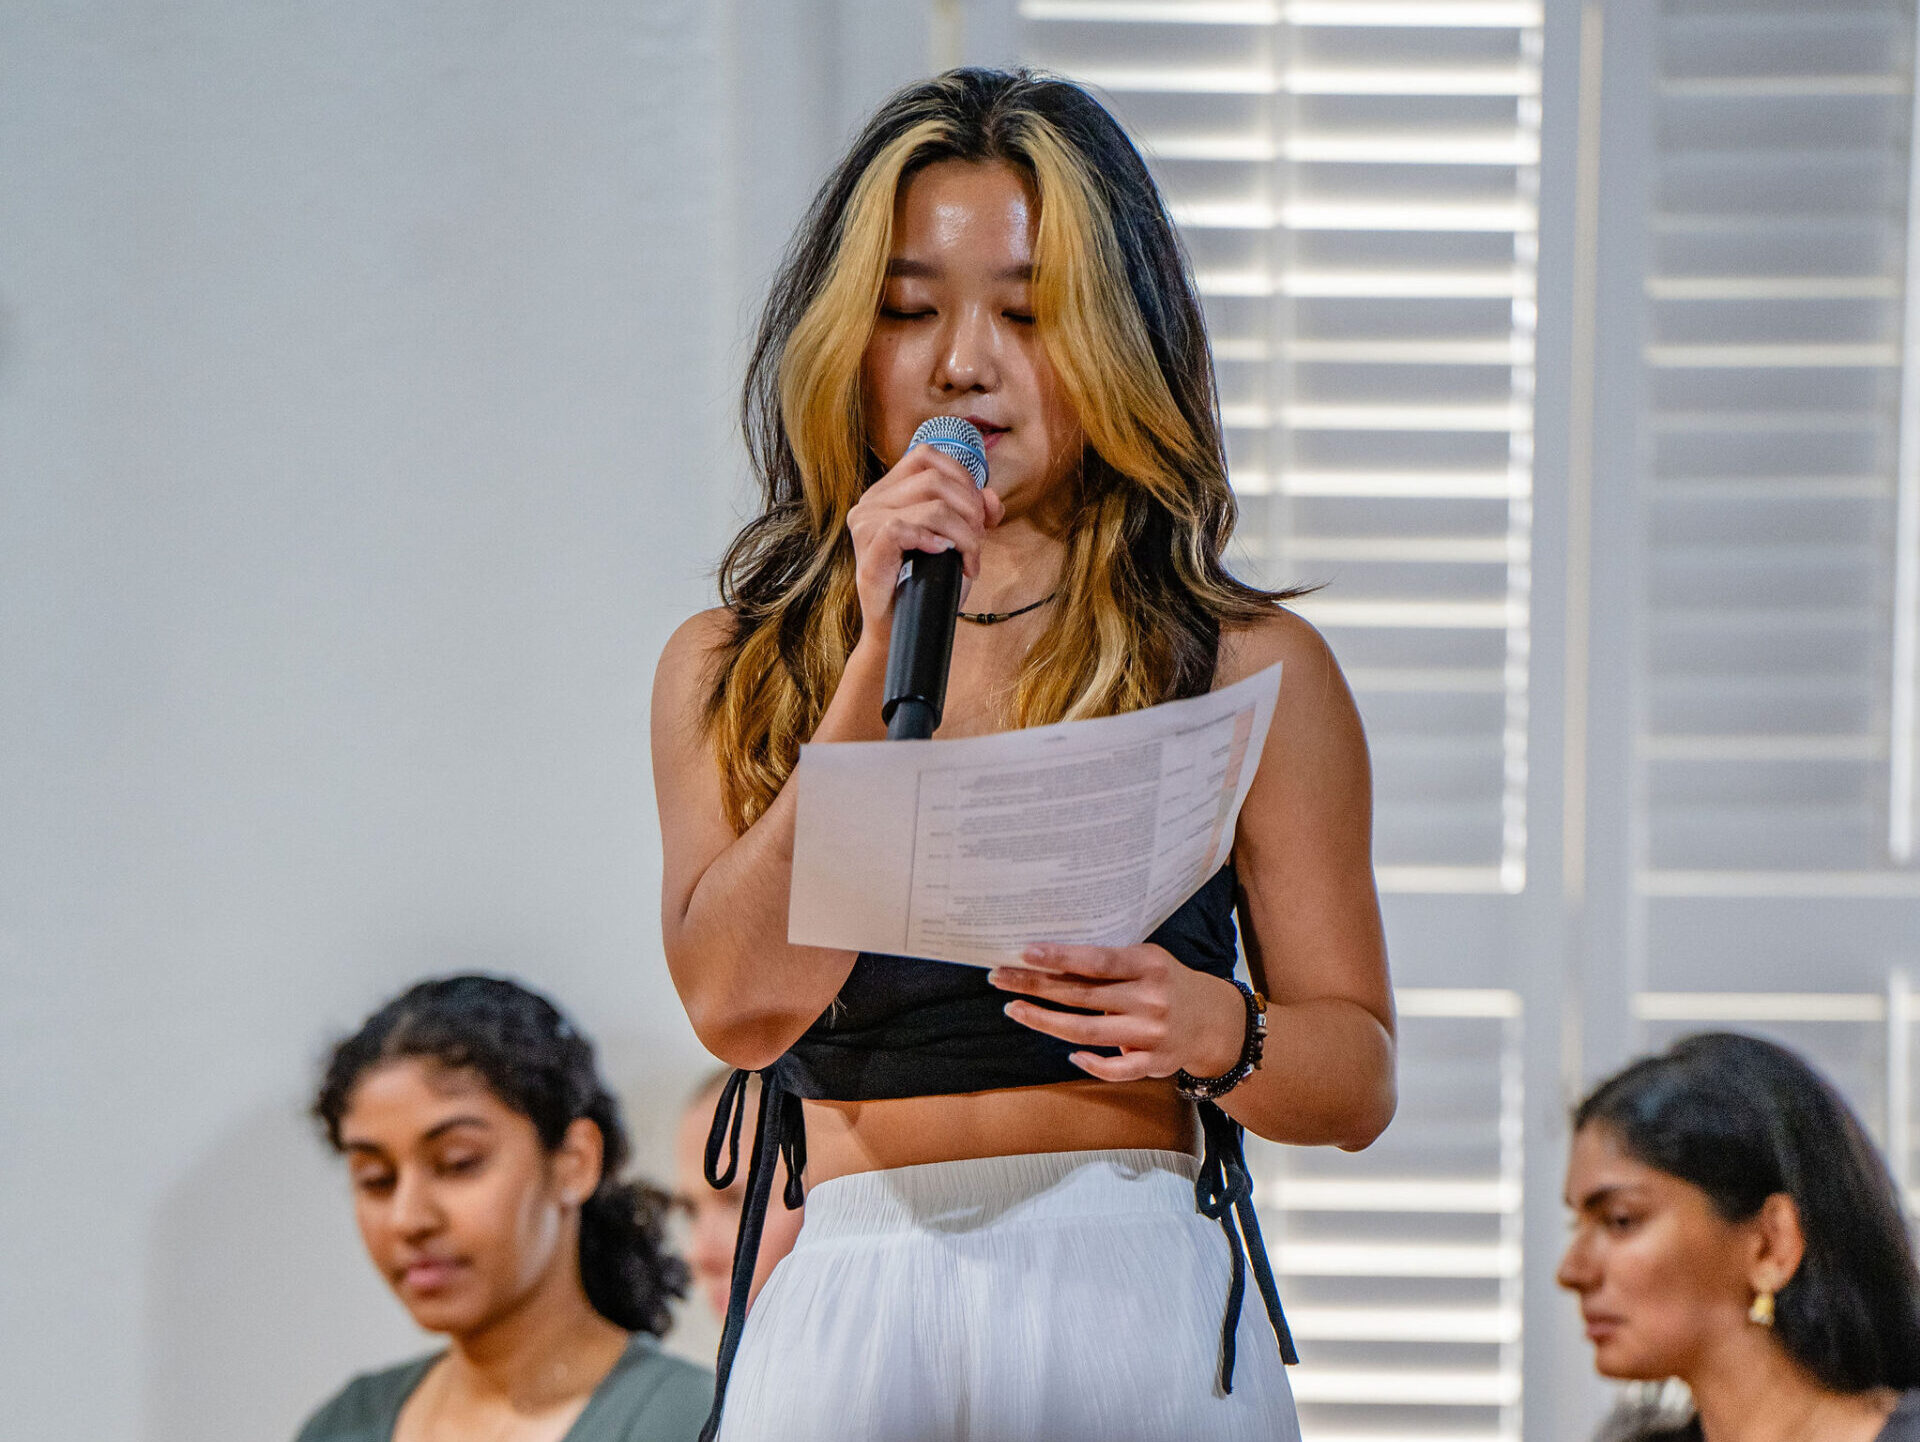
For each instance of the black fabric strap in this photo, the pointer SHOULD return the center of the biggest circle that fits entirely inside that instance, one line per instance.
(780, 1135)
(732, 1104)
(1224, 1192)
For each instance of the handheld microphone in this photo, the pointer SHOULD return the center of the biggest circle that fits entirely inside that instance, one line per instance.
(926, 604)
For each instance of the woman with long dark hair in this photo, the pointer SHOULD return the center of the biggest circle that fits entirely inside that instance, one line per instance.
(485, 1157)
(1735, 1229)
(1008, 1231)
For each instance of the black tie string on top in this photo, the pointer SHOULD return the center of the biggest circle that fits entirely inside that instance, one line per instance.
(781, 1135)
(1223, 1191)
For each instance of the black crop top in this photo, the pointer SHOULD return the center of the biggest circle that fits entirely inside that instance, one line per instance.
(907, 1027)
(904, 1027)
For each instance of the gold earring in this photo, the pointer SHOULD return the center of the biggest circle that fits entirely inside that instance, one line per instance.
(1761, 1312)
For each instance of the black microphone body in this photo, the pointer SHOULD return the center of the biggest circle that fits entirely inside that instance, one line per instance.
(926, 605)
(926, 609)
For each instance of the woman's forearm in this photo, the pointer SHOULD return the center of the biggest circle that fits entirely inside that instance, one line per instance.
(748, 991)
(1327, 1080)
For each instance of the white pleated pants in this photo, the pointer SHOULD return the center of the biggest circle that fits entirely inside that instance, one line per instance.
(1058, 1296)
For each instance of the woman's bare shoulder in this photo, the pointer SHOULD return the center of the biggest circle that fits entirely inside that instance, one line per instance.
(685, 671)
(699, 636)
(1280, 637)
(695, 642)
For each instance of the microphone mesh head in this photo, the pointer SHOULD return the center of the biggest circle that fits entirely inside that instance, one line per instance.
(958, 438)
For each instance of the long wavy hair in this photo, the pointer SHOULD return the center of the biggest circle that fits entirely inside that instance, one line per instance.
(1144, 589)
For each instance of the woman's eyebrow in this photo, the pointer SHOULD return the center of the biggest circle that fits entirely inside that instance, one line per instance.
(903, 267)
(434, 1133)
(1599, 1196)
(356, 1147)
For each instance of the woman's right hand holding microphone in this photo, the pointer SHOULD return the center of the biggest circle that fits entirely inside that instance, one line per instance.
(927, 502)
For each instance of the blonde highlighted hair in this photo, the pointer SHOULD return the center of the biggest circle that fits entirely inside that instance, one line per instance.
(1144, 592)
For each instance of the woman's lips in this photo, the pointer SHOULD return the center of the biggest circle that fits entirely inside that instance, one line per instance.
(429, 1276)
(1600, 1329)
(989, 433)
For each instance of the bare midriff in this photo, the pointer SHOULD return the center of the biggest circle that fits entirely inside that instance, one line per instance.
(845, 1137)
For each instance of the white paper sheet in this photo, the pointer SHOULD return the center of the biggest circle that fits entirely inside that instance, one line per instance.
(1088, 831)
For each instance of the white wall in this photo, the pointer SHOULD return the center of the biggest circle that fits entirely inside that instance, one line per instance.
(366, 389)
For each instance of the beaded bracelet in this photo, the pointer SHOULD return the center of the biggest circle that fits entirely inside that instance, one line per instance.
(1200, 1089)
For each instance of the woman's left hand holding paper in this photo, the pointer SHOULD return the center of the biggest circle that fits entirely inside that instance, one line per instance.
(1164, 1017)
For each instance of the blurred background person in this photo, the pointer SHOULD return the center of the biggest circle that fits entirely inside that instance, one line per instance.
(1735, 1229)
(484, 1153)
(712, 1215)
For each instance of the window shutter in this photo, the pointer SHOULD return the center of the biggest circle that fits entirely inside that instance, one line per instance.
(1776, 744)
(1356, 181)
(1401, 1265)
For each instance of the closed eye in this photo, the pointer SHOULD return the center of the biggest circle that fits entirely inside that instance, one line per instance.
(894, 313)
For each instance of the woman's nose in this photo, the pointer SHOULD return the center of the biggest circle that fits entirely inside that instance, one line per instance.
(1576, 1271)
(415, 1212)
(966, 359)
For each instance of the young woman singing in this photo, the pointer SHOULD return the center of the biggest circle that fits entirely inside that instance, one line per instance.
(1015, 1205)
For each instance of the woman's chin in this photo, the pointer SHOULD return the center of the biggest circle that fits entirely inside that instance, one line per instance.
(1617, 1364)
(450, 1315)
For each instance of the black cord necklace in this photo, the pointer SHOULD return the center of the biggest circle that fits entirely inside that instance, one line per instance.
(994, 618)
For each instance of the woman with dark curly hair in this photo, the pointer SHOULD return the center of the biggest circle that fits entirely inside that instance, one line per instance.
(485, 1157)
(1735, 1229)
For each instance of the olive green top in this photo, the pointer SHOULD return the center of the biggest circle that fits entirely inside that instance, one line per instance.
(647, 1397)
(1904, 1424)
